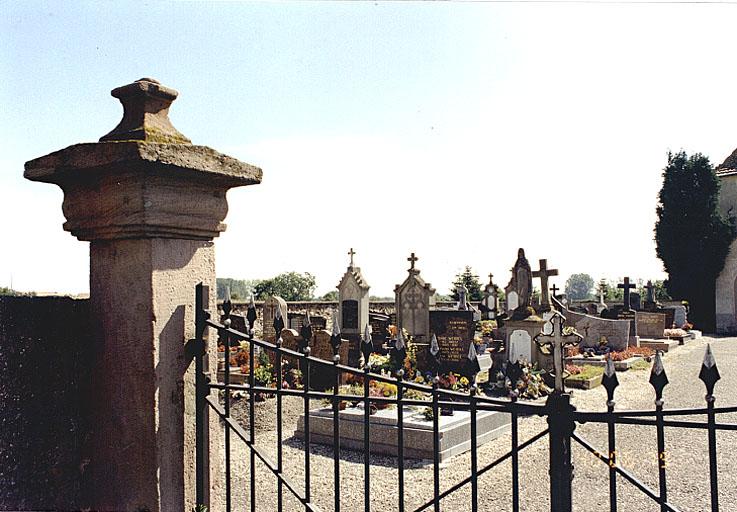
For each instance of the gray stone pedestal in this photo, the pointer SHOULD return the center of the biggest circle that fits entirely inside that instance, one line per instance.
(150, 203)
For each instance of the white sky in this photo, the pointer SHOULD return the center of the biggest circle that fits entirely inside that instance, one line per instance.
(459, 131)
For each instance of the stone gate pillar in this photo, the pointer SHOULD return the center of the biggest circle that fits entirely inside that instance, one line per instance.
(149, 202)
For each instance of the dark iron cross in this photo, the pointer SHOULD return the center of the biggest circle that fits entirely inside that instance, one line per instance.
(554, 289)
(558, 342)
(543, 274)
(412, 260)
(351, 253)
(626, 286)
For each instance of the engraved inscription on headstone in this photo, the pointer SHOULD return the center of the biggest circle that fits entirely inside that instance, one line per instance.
(349, 314)
(520, 346)
(650, 325)
(454, 331)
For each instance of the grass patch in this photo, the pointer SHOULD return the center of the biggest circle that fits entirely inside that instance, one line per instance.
(640, 365)
(586, 372)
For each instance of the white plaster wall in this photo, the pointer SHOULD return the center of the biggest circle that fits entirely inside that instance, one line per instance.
(726, 312)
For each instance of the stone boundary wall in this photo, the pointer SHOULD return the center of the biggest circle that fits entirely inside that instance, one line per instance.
(44, 355)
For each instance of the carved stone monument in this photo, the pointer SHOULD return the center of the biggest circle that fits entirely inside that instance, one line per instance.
(271, 304)
(353, 307)
(413, 299)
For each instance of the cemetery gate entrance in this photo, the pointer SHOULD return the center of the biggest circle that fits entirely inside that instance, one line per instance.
(562, 418)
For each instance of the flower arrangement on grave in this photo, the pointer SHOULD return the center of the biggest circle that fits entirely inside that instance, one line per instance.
(528, 381)
(239, 357)
(487, 327)
(630, 352)
(675, 333)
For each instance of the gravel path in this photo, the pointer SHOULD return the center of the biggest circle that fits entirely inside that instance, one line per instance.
(688, 466)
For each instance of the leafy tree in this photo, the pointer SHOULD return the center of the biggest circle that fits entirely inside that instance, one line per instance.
(661, 290)
(579, 286)
(239, 288)
(471, 281)
(331, 295)
(692, 238)
(289, 286)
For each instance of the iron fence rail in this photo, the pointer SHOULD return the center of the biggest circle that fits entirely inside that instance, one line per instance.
(562, 419)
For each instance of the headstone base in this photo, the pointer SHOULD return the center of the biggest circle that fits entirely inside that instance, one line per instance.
(454, 431)
(662, 344)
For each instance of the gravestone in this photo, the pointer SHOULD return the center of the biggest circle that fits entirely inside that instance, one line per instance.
(489, 302)
(650, 325)
(413, 299)
(269, 313)
(520, 346)
(296, 320)
(454, 330)
(594, 329)
(379, 324)
(635, 301)
(291, 341)
(353, 298)
(322, 376)
(353, 307)
(679, 316)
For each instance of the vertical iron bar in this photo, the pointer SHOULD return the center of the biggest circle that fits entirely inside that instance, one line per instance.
(201, 392)
(400, 439)
(306, 378)
(612, 459)
(515, 456)
(279, 456)
(336, 434)
(366, 441)
(436, 445)
(561, 425)
(252, 422)
(226, 380)
(712, 454)
(661, 454)
(474, 456)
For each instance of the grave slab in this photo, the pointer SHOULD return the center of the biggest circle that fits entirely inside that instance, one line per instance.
(619, 366)
(454, 431)
(661, 344)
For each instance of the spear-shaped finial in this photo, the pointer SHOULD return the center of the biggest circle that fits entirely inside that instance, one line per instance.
(251, 316)
(367, 345)
(658, 378)
(335, 338)
(609, 379)
(709, 373)
(278, 322)
(227, 303)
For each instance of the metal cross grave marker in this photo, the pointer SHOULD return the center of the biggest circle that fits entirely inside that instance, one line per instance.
(557, 341)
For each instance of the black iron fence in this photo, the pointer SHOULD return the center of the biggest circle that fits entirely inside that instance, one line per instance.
(561, 416)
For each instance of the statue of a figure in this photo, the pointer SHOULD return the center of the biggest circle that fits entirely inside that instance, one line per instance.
(462, 292)
(523, 274)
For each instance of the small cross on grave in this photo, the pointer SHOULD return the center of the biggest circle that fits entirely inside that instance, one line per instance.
(602, 291)
(627, 286)
(412, 260)
(351, 253)
(554, 289)
(650, 287)
(543, 274)
(491, 282)
(557, 341)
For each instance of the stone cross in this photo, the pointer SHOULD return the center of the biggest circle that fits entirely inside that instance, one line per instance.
(351, 253)
(627, 286)
(543, 274)
(602, 289)
(650, 287)
(412, 260)
(557, 341)
(491, 276)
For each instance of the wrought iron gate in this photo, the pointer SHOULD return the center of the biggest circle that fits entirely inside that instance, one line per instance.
(561, 417)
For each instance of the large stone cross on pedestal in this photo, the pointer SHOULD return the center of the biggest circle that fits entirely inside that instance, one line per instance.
(543, 274)
(626, 286)
(351, 253)
(557, 341)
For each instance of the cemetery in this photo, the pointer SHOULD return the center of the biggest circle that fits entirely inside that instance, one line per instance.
(294, 405)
